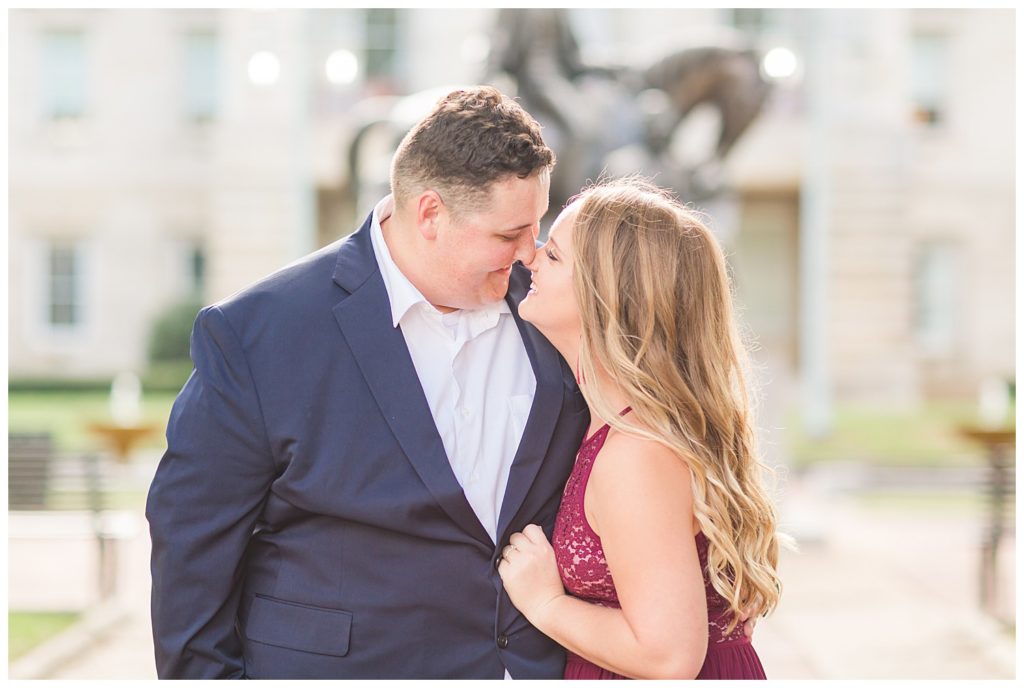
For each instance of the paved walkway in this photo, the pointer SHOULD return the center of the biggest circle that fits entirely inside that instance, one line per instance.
(886, 592)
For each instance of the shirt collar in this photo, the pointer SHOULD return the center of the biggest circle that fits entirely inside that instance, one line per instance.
(403, 294)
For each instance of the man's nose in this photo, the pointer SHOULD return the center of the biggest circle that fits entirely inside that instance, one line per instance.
(526, 251)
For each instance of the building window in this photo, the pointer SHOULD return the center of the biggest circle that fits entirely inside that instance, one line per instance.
(928, 77)
(752, 20)
(759, 22)
(197, 268)
(381, 43)
(64, 308)
(202, 75)
(64, 74)
(935, 297)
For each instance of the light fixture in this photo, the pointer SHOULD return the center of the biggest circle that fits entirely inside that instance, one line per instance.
(779, 63)
(341, 67)
(264, 68)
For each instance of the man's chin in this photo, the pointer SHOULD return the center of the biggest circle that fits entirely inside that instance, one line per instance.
(497, 288)
(489, 293)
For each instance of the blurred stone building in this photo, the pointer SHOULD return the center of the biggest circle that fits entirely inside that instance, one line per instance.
(158, 153)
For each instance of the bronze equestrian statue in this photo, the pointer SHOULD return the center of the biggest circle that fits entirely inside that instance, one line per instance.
(599, 119)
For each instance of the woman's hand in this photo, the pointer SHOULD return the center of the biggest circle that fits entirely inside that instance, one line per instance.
(530, 573)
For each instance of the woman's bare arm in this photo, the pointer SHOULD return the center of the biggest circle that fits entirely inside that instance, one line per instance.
(639, 502)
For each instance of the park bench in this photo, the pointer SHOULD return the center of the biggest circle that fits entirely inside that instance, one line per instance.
(53, 496)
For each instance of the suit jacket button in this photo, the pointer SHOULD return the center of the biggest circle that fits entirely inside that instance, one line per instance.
(502, 641)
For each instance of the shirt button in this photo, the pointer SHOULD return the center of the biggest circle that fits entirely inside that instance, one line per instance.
(503, 641)
(466, 413)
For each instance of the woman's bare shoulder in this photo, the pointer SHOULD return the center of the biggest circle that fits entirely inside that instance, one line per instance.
(628, 460)
(640, 484)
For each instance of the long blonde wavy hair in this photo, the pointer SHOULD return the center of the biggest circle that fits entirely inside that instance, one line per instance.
(656, 306)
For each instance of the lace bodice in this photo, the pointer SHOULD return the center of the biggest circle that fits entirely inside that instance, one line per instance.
(580, 556)
(578, 550)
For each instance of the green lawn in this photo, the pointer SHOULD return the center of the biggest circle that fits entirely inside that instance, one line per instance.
(112, 499)
(25, 630)
(922, 437)
(926, 436)
(66, 414)
(962, 502)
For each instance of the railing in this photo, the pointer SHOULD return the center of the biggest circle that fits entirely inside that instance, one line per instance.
(41, 480)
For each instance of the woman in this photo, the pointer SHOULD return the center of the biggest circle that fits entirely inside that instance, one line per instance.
(665, 534)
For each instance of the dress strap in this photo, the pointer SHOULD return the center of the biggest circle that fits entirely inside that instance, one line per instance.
(606, 426)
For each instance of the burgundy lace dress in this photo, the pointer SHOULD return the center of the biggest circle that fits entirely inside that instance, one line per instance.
(585, 575)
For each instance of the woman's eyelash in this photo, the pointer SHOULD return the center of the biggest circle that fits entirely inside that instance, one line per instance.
(551, 255)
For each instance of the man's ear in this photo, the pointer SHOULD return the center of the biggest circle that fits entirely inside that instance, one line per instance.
(430, 211)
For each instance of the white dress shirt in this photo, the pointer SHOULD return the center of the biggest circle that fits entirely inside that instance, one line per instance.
(475, 374)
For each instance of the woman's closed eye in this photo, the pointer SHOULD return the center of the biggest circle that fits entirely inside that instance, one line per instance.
(550, 255)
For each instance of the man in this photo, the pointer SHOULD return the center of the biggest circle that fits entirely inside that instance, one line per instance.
(365, 428)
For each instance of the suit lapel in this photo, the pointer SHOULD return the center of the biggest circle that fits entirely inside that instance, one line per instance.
(383, 358)
(547, 401)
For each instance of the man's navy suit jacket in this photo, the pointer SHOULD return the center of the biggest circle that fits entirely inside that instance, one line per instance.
(305, 520)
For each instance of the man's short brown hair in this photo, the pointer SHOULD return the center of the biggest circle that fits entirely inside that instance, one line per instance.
(471, 139)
